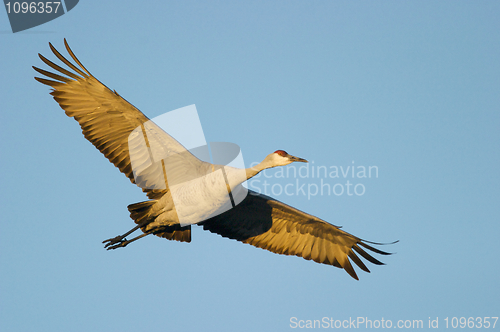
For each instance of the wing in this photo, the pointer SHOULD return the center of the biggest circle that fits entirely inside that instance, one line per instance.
(107, 121)
(269, 224)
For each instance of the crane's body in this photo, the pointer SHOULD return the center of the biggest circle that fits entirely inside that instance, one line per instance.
(114, 127)
(200, 197)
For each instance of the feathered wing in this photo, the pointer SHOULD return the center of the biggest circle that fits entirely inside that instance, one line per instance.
(107, 120)
(269, 224)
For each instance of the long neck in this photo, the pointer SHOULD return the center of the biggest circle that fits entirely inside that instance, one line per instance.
(252, 171)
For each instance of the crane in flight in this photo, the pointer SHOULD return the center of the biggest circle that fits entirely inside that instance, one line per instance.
(107, 120)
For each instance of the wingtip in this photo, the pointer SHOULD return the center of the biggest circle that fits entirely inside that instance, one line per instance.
(352, 273)
(378, 251)
(381, 243)
(66, 43)
(36, 69)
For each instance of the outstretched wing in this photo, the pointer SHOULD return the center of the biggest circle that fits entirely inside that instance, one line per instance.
(107, 120)
(269, 224)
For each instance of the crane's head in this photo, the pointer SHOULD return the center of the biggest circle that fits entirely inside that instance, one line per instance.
(281, 158)
(277, 158)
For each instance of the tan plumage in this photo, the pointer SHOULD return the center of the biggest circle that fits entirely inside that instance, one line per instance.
(105, 117)
(107, 120)
(275, 226)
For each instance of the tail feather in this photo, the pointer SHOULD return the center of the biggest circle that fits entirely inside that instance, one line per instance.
(181, 235)
(141, 212)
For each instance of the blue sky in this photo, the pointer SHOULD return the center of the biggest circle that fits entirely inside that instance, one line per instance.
(409, 87)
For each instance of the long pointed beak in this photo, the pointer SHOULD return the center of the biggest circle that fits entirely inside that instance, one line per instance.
(292, 158)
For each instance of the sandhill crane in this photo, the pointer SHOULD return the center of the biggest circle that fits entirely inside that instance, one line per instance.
(107, 120)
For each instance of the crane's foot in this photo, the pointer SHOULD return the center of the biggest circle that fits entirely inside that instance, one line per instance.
(116, 242)
(120, 241)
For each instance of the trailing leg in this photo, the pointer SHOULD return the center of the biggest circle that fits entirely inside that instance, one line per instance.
(123, 241)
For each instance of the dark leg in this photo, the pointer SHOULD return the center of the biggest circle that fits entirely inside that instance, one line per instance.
(117, 240)
(123, 242)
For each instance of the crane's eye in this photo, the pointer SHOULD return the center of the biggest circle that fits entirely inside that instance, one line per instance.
(281, 153)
